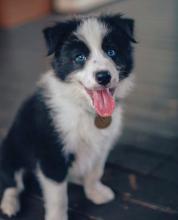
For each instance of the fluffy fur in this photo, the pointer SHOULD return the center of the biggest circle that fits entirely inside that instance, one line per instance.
(54, 134)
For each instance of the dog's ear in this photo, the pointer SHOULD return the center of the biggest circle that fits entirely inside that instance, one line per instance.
(127, 24)
(56, 35)
(120, 23)
(51, 35)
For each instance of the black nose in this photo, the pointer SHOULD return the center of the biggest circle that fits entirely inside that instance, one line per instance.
(103, 77)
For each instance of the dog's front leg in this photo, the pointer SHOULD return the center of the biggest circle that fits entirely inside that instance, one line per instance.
(95, 190)
(55, 197)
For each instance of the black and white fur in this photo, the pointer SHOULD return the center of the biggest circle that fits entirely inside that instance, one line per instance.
(54, 134)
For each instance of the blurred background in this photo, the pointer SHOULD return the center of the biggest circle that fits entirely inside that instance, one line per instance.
(149, 143)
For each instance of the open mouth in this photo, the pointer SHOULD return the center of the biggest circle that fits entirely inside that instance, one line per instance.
(103, 101)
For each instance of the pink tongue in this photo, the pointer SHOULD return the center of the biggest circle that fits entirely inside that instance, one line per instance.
(103, 102)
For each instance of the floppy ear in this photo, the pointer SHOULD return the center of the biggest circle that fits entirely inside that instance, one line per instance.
(124, 24)
(51, 35)
(57, 34)
(127, 25)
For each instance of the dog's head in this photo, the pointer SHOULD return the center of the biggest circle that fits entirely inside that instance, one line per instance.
(94, 53)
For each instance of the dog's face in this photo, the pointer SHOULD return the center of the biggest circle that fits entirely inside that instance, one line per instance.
(95, 53)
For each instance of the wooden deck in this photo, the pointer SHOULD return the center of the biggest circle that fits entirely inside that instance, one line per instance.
(138, 197)
(143, 167)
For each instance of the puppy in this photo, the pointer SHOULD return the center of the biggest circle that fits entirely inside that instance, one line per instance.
(69, 125)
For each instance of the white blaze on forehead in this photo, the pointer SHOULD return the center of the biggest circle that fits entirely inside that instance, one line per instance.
(92, 32)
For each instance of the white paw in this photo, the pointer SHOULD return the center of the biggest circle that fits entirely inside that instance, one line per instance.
(57, 217)
(99, 193)
(10, 205)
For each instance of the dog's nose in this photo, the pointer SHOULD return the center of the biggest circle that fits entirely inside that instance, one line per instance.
(103, 77)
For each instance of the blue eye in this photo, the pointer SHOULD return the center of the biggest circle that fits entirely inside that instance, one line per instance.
(111, 53)
(80, 59)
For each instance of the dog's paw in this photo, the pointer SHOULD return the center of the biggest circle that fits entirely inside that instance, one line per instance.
(56, 217)
(99, 194)
(10, 204)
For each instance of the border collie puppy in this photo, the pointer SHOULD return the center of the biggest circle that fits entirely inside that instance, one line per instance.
(69, 125)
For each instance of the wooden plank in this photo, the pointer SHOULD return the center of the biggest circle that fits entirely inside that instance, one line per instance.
(137, 197)
(118, 209)
(135, 159)
(149, 142)
(168, 171)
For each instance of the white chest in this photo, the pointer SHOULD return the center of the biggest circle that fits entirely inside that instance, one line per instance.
(84, 139)
(70, 106)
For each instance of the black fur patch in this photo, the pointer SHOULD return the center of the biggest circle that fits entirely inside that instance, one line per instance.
(119, 23)
(65, 46)
(56, 35)
(33, 140)
(64, 59)
(120, 38)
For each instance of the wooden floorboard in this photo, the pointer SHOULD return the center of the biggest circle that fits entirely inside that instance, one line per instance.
(137, 197)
